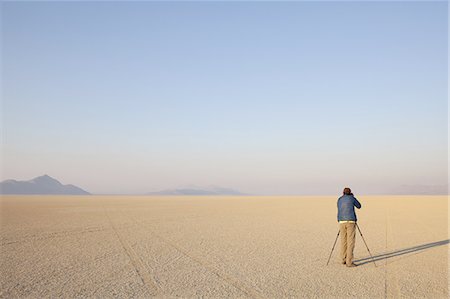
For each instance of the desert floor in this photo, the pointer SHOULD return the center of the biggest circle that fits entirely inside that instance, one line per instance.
(261, 247)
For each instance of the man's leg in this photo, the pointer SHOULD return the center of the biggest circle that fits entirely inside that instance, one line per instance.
(343, 233)
(350, 241)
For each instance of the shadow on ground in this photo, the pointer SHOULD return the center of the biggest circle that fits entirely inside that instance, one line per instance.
(404, 251)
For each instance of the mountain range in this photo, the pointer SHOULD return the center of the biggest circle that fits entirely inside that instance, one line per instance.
(40, 185)
(47, 185)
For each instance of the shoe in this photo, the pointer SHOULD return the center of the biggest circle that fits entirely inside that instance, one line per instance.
(351, 265)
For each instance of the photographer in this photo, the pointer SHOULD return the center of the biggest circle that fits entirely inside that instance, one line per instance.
(347, 225)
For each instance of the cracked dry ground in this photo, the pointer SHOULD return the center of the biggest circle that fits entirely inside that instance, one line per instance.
(246, 247)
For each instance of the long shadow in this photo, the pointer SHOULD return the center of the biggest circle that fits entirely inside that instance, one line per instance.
(392, 254)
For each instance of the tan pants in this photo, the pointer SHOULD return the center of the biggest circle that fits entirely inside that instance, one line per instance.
(347, 232)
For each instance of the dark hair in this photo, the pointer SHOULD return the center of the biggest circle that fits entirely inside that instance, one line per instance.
(347, 191)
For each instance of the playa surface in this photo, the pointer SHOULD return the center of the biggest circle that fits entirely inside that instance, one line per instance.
(256, 247)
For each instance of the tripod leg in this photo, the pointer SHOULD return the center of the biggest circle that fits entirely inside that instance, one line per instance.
(333, 247)
(365, 244)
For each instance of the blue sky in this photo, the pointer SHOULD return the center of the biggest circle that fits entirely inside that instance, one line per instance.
(264, 97)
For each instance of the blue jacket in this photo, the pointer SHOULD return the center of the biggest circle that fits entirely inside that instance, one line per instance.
(346, 207)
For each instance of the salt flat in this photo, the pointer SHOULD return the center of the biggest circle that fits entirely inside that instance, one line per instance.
(257, 247)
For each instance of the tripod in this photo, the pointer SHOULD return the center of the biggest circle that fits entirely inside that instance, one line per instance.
(362, 239)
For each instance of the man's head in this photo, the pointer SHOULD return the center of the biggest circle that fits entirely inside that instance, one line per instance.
(347, 191)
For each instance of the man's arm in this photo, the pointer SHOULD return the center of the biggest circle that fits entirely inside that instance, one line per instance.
(357, 203)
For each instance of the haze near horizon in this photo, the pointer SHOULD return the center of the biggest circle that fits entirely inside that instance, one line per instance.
(261, 97)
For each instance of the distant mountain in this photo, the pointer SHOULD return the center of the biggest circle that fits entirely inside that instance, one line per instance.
(198, 191)
(39, 185)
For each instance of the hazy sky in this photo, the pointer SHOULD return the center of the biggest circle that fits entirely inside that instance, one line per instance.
(263, 97)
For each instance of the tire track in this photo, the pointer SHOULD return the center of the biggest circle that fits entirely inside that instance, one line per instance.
(395, 289)
(140, 268)
(385, 248)
(238, 284)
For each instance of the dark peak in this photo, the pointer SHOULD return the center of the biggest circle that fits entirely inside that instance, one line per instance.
(43, 184)
(45, 176)
(45, 179)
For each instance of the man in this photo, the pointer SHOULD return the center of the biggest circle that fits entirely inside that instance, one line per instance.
(347, 225)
